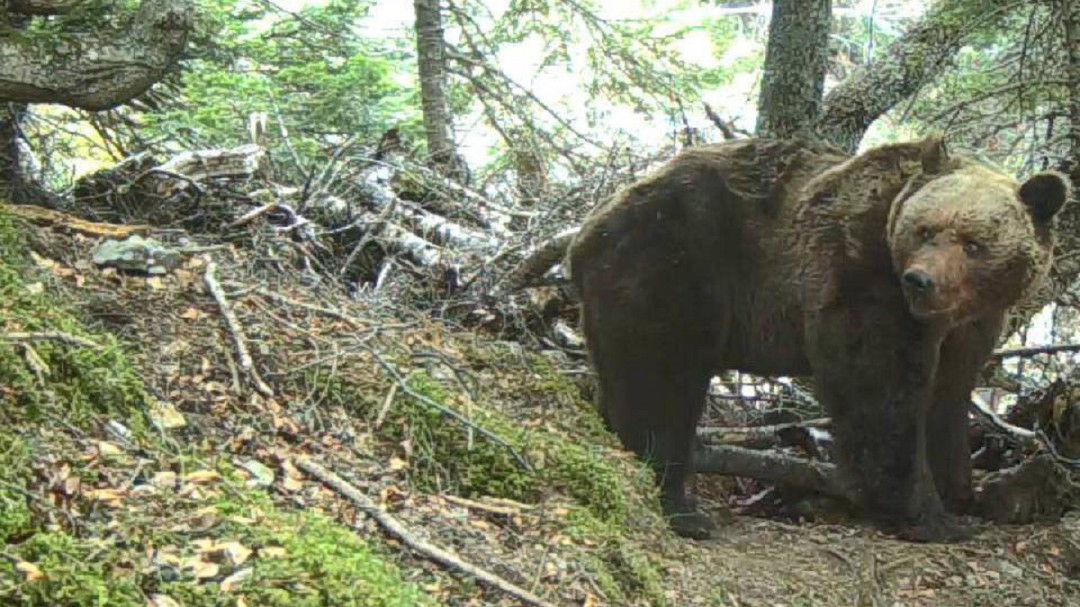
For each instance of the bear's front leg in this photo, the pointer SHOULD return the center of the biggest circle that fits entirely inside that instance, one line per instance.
(963, 354)
(874, 370)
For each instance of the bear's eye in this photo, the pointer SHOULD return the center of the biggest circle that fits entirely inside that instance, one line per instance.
(924, 233)
(972, 248)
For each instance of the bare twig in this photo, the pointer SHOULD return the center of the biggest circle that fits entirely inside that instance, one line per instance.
(540, 260)
(396, 528)
(500, 508)
(236, 331)
(389, 400)
(1036, 350)
(57, 336)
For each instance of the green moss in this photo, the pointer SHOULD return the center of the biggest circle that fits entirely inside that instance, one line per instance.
(619, 567)
(298, 560)
(76, 571)
(15, 459)
(320, 563)
(46, 379)
(568, 449)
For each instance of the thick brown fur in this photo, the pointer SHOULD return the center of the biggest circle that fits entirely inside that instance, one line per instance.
(885, 275)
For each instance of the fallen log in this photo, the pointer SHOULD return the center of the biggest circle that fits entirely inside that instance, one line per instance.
(794, 472)
(539, 260)
(762, 437)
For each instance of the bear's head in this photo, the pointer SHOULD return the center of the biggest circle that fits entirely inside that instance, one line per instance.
(967, 240)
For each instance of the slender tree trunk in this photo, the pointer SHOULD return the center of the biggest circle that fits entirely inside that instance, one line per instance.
(431, 57)
(794, 74)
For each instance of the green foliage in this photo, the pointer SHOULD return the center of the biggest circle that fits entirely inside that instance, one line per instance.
(314, 75)
(15, 459)
(321, 563)
(570, 452)
(52, 380)
(619, 567)
(300, 560)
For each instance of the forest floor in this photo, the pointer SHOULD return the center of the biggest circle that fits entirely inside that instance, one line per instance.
(146, 458)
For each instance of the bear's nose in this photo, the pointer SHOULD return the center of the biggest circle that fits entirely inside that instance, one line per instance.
(918, 280)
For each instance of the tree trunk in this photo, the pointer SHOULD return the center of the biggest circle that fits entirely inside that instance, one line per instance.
(793, 79)
(431, 57)
(94, 71)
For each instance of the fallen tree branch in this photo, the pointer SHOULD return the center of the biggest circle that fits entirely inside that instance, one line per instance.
(1035, 351)
(538, 261)
(376, 188)
(246, 363)
(49, 218)
(982, 411)
(192, 167)
(759, 437)
(795, 472)
(57, 336)
(392, 525)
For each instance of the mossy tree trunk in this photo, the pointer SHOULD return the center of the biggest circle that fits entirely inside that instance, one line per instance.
(86, 70)
(93, 70)
(920, 56)
(793, 79)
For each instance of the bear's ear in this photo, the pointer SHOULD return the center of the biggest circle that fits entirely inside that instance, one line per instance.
(935, 155)
(1044, 194)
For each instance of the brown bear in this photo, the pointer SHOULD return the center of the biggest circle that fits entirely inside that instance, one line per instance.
(885, 276)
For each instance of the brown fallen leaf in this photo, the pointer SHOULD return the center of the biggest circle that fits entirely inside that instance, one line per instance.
(397, 463)
(105, 449)
(202, 477)
(191, 314)
(29, 571)
(234, 553)
(161, 600)
(201, 569)
(112, 498)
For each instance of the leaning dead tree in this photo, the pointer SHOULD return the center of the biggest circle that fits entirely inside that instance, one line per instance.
(125, 62)
(89, 70)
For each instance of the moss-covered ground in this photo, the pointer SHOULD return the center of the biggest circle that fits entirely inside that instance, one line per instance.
(138, 466)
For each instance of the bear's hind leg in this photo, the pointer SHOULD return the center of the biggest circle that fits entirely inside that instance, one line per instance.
(653, 404)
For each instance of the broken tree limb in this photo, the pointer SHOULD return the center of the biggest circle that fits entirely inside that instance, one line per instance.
(794, 472)
(1035, 351)
(47, 217)
(376, 189)
(539, 260)
(396, 528)
(236, 331)
(1036, 489)
(758, 437)
(56, 336)
(982, 411)
(192, 167)
(397, 238)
